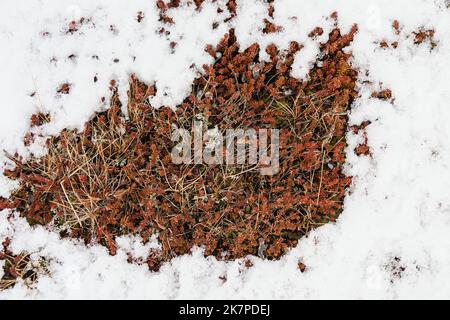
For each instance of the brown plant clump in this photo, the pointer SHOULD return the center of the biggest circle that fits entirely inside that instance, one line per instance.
(420, 36)
(270, 27)
(19, 267)
(117, 176)
(165, 6)
(363, 148)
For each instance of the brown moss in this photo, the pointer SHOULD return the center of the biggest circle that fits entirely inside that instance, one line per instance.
(270, 27)
(19, 267)
(318, 31)
(385, 94)
(165, 6)
(302, 267)
(116, 177)
(420, 36)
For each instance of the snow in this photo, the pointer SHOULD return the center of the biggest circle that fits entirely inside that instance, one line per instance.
(399, 204)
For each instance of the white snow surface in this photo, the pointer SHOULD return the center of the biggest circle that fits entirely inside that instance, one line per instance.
(398, 205)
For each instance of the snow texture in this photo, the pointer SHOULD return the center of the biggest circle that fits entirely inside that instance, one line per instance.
(396, 215)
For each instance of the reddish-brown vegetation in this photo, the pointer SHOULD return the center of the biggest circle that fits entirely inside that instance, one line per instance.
(116, 177)
(419, 37)
(18, 267)
(385, 94)
(363, 148)
(165, 6)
